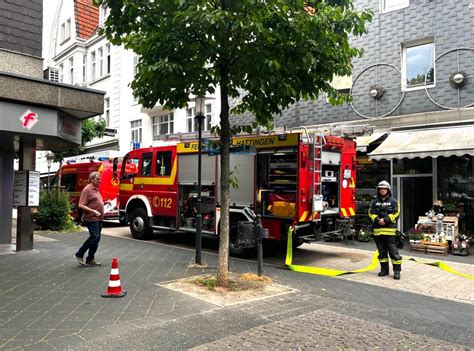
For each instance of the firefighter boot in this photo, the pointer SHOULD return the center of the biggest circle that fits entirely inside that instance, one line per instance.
(396, 271)
(383, 269)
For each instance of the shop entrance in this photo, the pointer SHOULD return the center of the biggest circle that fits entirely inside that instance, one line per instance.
(415, 194)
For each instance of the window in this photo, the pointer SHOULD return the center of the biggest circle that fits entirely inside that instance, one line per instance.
(135, 71)
(146, 164)
(84, 66)
(163, 164)
(103, 14)
(135, 65)
(65, 30)
(162, 125)
(392, 5)
(100, 52)
(107, 58)
(93, 66)
(416, 60)
(192, 123)
(61, 72)
(136, 130)
(107, 111)
(71, 70)
(208, 120)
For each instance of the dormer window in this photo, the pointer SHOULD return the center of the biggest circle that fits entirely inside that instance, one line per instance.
(103, 14)
(65, 30)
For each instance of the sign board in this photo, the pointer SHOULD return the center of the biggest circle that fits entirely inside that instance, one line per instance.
(26, 188)
(110, 132)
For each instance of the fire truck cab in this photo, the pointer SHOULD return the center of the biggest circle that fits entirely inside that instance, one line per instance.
(74, 176)
(299, 178)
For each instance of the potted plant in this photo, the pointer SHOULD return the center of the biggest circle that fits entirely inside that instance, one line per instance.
(450, 209)
(414, 235)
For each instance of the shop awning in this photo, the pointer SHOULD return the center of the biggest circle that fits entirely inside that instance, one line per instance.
(454, 141)
(363, 141)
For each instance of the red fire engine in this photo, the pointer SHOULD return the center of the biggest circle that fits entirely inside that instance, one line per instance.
(74, 176)
(302, 178)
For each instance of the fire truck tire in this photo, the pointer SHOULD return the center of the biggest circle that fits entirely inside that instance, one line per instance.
(139, 225)
(235, 249)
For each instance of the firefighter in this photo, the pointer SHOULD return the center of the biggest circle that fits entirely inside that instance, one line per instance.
(384, 211)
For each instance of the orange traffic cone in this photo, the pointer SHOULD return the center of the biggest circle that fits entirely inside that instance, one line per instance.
(114, 289)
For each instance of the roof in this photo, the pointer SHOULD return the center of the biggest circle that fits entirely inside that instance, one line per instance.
(453, 141)
(87, 18)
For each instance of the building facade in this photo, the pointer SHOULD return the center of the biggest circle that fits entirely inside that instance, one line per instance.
(80, 56)
(414, 83)
(36, 114)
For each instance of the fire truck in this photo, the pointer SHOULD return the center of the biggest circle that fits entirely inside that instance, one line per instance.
(74, 176)
(302, 178)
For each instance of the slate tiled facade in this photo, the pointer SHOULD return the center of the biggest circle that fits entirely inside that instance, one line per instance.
(20, 26)
(448, 22)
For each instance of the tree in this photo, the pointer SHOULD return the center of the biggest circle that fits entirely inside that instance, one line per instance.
(269, 54)
(90, 129)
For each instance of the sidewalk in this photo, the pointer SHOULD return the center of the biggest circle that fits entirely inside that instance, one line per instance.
(416, 277)
(47, 302)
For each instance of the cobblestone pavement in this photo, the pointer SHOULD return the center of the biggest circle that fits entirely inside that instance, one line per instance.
(47, 302)
(326, 330)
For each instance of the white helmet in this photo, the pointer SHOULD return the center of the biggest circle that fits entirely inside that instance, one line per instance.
(384, 184)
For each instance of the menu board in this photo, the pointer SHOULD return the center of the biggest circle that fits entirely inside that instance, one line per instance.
(26, 188)
(33, 188)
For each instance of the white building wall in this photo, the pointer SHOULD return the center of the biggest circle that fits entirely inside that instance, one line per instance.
(123, 107)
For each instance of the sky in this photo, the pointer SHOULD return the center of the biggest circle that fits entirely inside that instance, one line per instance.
(49, 11)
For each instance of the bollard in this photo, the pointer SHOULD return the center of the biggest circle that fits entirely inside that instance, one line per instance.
(258, 238)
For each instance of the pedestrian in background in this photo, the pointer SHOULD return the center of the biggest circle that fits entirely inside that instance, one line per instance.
(92, 205)
(384, 212)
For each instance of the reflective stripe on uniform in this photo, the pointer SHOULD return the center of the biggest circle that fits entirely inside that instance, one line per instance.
(385, 231)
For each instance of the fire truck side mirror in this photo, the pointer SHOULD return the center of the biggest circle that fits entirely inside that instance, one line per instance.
(115, 167)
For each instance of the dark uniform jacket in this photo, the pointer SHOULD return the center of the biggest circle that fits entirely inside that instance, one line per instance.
(389, 210)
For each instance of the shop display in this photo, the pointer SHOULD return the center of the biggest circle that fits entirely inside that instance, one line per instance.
(436, 230)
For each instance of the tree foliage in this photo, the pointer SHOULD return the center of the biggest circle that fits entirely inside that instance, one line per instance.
(265, 54)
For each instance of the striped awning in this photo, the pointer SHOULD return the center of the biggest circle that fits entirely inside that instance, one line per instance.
(452, 141)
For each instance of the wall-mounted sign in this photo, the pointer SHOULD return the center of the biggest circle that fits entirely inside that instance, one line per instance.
(26, 188)
(28, 119)
(110, 132)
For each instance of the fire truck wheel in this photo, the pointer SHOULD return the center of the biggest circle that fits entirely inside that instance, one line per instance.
(139, 225)
(235, 249)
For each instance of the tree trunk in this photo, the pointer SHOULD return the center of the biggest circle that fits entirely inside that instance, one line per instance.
(223, 259)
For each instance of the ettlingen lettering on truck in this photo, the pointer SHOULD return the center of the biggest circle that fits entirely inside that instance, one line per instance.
(259, 142)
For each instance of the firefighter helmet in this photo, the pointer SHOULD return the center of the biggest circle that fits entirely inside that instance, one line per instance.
(384, 184)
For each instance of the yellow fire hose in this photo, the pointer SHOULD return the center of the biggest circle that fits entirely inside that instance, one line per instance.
(335, 272)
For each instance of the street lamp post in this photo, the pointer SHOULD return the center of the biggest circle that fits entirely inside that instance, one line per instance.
(49, 160)
(199, 105)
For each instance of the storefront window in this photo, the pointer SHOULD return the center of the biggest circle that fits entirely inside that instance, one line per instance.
(456, 189)
(412, 166)
(369, 174)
